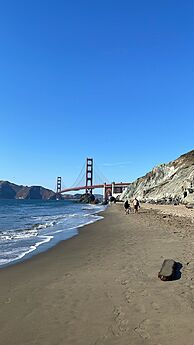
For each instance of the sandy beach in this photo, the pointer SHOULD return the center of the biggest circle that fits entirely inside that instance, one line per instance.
(101, 287)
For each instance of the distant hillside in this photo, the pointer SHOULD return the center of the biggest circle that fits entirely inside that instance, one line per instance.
(10, 190)
(166, 183)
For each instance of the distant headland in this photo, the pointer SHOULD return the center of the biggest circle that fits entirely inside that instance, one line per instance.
(10, 190)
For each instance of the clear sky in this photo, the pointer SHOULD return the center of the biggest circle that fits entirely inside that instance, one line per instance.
(108, 79)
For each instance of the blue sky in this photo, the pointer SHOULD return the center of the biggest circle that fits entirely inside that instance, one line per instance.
(112, 80)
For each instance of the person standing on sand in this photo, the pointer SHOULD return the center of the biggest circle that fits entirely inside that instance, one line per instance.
(126, 207)
(136, 205)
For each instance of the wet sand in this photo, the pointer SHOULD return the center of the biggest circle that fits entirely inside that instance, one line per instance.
(101, 288)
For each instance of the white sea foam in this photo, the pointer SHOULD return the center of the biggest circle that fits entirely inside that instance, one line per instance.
(16, 244)
(15, 255)
(4, 261)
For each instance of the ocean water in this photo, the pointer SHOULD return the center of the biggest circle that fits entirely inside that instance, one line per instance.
(28, 227)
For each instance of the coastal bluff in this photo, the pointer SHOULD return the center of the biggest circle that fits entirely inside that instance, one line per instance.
(170, 183)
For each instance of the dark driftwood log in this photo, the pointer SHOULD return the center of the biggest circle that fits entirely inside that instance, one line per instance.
(167, 271)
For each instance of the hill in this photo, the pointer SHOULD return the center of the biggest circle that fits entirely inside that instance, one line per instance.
(10, 190)
(172, 182)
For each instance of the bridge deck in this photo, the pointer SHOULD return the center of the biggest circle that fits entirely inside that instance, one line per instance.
(108, 185)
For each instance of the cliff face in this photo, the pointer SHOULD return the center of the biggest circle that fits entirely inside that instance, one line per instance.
(166, 183)
(10, 190)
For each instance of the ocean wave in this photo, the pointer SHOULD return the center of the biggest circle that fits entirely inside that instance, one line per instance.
(47, 222)
(10, 256)
(43, 231)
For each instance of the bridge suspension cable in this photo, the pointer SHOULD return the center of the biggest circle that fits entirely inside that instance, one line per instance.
(99, 177)
(89, 176)
(86, 182)
(80, 179)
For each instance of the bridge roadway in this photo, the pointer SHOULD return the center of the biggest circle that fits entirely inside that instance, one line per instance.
(107, 185)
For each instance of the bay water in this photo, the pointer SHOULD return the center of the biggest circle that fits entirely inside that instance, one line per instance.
(28, 227)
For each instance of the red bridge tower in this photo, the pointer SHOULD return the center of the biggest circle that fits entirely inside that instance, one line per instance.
(89, 174)
(58, 184)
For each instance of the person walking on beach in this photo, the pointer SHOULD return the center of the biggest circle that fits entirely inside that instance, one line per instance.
(126, 207)
(136, 205)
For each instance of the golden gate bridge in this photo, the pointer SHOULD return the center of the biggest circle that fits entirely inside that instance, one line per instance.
(90, 179)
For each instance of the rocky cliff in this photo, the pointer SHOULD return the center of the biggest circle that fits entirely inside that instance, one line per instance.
(166, 183)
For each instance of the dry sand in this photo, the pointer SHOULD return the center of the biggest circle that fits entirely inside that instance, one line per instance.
(101, 288)
(179, 210)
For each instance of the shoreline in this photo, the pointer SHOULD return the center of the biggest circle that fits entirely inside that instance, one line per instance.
(31, 256)
(101, 287)
(52, 241)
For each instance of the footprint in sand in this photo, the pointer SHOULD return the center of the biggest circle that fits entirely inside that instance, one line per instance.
(129, 295)
(124, 282)
(121, 323)
(142, 329)
(145, 293)
(155, 306)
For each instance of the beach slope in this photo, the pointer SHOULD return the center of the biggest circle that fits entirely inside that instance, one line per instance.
(102, 287)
